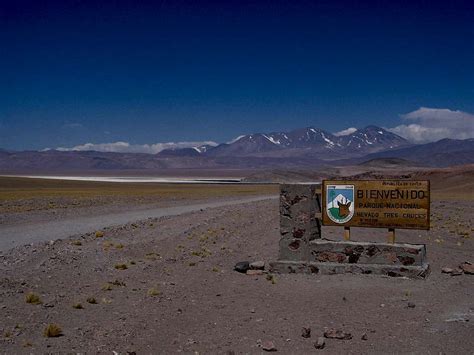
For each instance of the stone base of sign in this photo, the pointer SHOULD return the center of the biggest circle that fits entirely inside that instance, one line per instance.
(336, 257)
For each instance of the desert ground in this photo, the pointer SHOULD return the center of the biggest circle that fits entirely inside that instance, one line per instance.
(167, 284)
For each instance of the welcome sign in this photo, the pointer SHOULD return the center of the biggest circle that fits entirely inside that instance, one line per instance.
(401, 204)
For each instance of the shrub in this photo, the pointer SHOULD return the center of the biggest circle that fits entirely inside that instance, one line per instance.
(121, 266)
(91, 300)
(33, 298)
(77, 306)
(153, 292)
(76, 242)
(99, 234)
(52, 331)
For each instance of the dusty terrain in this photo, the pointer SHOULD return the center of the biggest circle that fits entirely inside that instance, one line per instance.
(167, 285)
(25, 200)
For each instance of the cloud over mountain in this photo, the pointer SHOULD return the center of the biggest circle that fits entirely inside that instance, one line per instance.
(432, 124)
(345, 132)
(125, 147)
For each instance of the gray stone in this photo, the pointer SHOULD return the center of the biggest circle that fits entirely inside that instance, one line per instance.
(467, 268)
(306, 332)
(364, 336)
(268, 346)
(257, 265)
(320, 343)
(456, 272)
(242, 266)
(337, 334)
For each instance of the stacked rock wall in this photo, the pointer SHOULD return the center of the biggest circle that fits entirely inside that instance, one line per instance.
(299, 223)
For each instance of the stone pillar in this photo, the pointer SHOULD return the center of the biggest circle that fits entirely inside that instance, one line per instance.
(300, 211)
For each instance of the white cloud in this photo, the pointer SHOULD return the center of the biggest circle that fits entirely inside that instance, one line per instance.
(432, 124)
(125, 147)
(345, 132)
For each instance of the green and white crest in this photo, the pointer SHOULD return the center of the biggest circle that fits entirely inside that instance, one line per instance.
(340, 203)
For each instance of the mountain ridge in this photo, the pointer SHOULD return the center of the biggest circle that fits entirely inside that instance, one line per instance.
(308, 147)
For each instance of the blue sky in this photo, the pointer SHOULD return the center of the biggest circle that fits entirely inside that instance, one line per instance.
(75, 72)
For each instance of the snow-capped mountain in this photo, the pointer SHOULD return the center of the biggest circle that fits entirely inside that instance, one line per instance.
(339, 198)
(310, 140)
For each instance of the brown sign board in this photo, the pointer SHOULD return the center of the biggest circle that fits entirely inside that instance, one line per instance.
(403, 204)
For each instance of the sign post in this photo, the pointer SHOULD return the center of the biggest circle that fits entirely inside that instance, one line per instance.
(387, 204)
(402, 204)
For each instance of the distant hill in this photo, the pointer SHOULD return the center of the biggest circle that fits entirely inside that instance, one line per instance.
(443, 153)
(388, 163)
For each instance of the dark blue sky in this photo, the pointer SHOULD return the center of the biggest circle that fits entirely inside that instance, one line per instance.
(143, 72)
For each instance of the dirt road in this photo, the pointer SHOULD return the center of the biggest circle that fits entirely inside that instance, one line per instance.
(26, 233)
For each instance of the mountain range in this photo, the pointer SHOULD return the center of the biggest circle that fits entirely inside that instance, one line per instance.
(304, 142)
(301, 148)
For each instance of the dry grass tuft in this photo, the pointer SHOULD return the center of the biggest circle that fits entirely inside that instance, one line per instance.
(76, 242)
(153, 292)
(118, 283)
(271, 278)
(99, 234)
(107, 287)
(119, 246)
(106, 300)
(32, 298)
(91, 300)
(27, 344)
(152, 256)
(121, 266)
(52, 331)
(77, 306)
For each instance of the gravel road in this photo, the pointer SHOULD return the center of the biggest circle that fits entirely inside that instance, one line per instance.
(16, 235)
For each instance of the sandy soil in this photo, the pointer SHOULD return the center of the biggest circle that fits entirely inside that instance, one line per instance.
(179, 292)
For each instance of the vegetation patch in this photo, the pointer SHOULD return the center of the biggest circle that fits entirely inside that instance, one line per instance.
(52, 331)
(91, 300)
(153, 292)
(32, 298)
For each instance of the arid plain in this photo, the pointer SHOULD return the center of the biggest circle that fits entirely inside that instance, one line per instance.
(167, 284)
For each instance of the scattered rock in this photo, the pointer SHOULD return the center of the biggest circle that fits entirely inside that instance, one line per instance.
(268, 346)
(242, 266)
(447, 270)
(320, 343)
(456, 272)
(467, 267)
(364, 336)
(254, 272)
(411, 305)
(257, 265)
(306, 332)
(337, 334)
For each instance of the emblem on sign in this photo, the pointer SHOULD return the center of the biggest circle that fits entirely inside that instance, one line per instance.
(340, 203)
